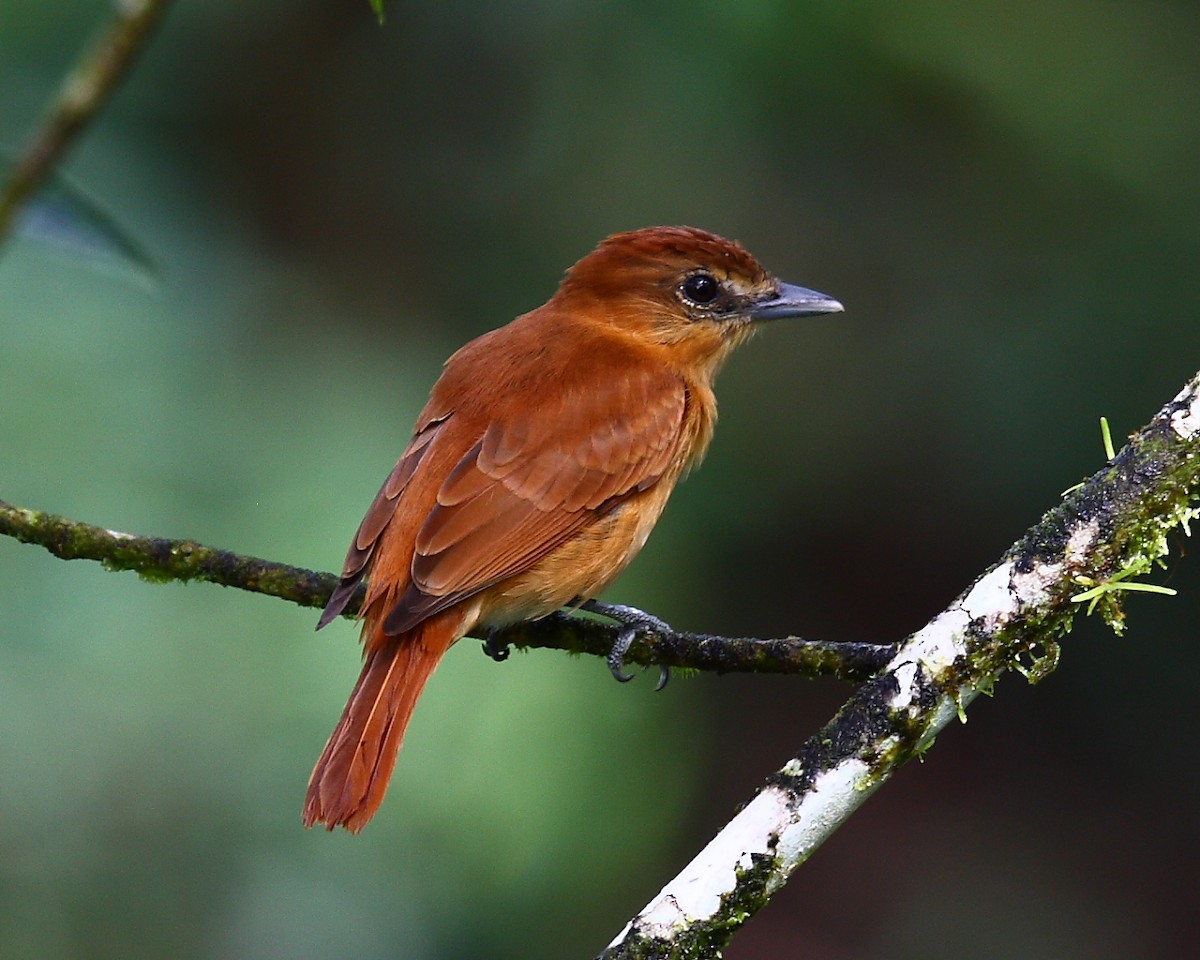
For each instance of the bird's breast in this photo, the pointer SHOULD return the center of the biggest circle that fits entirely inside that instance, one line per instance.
(580, 568)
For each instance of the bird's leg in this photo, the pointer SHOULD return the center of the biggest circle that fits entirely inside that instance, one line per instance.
(495, 647)
(632, 620)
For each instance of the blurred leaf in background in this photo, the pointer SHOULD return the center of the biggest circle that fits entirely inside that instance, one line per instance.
(1004, 197)
(64, 218)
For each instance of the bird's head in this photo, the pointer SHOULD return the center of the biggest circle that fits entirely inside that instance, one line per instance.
(695, 294)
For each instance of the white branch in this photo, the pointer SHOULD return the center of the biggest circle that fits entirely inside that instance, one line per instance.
(1111, 528)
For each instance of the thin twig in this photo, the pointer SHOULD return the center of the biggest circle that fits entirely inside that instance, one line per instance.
(160, 560)
(86, 89)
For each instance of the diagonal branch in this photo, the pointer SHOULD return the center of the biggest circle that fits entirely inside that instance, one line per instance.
(161, 560)
(1111, 528)
(85, 90)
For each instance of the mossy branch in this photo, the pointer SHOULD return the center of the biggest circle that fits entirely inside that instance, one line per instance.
(159, 560)
(85, 90)
(1012, 618)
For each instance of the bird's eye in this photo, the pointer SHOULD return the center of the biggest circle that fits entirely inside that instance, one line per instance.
(701, 288)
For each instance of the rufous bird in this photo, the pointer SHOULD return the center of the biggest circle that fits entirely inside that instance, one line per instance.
(535, 473)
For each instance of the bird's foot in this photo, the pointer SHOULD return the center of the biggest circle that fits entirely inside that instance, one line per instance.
(494, 647)
(633, 621)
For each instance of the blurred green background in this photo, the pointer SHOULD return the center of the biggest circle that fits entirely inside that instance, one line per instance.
(1003, 194)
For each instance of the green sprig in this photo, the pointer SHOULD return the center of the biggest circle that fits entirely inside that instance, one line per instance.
(1109, 452)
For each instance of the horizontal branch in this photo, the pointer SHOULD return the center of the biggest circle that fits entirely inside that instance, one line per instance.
(1084, 551)
(160, 561)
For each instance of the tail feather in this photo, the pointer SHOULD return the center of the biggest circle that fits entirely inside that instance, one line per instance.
(350, 778)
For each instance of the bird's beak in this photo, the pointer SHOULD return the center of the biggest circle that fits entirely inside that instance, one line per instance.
(793, 301)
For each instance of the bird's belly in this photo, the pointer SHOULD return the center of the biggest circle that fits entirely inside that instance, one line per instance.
(580, 568)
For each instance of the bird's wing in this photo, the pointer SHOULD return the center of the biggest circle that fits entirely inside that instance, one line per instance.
(379, 514)
(533, 480)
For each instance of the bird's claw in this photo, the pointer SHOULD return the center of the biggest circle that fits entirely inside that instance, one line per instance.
(664, 674)
(616, 656)
(494, 647)
(633, 621)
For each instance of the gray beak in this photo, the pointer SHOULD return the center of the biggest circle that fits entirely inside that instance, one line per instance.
(793, 301)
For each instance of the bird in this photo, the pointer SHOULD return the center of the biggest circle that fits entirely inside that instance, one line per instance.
(536, 472)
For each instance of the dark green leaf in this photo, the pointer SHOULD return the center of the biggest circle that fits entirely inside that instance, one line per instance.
(62, 216)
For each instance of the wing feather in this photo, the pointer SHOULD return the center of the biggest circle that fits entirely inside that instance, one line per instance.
(531, 482)
(378, 516)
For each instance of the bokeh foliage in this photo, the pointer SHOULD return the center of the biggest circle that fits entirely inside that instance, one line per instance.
(1004, 196)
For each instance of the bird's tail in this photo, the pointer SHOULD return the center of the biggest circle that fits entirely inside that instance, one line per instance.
(350, 778)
